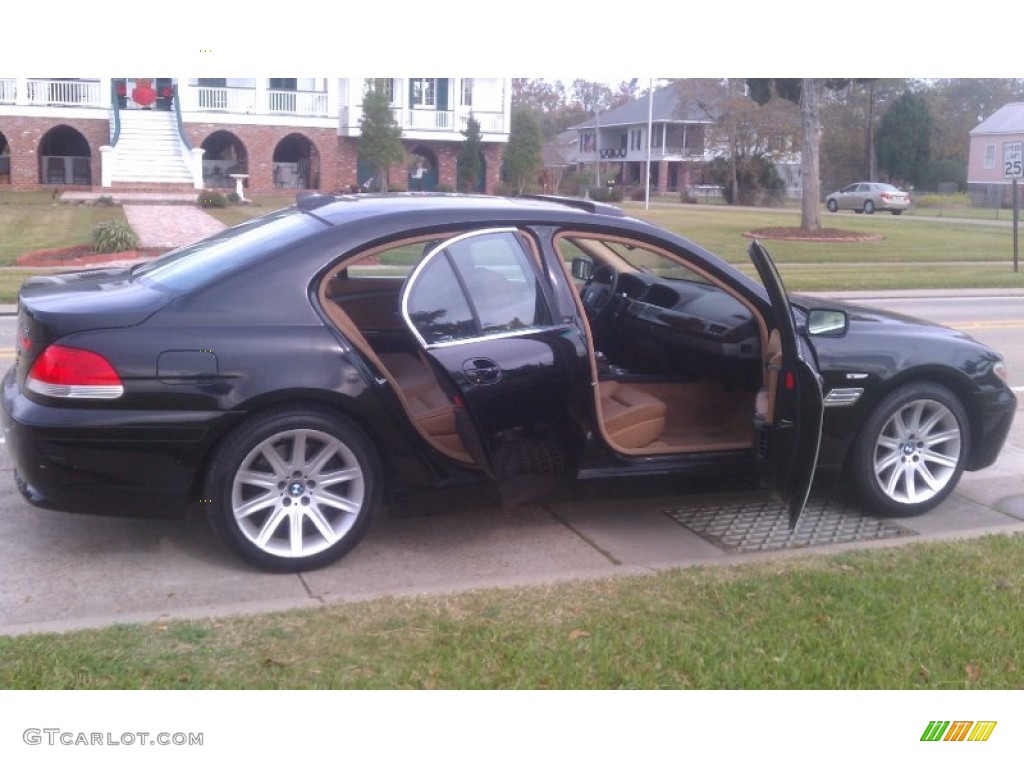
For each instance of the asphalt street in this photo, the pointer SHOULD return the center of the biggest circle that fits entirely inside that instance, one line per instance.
(60, 571)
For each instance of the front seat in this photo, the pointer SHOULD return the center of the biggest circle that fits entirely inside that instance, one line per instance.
(631, 417)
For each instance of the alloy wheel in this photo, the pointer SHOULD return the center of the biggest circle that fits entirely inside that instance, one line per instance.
(918, 451)
(297, 493)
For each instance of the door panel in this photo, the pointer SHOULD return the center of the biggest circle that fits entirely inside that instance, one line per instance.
(478, 309)
(793, 424)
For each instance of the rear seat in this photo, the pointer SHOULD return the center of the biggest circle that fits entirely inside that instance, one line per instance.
(428, 405)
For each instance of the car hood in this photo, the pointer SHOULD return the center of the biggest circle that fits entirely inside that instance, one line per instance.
(98, 298)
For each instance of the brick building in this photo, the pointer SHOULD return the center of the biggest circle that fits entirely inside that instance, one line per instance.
(271, 133)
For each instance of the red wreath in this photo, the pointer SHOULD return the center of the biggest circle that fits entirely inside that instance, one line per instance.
(143, 93)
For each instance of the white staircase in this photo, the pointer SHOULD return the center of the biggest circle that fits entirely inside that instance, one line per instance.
(149, 149)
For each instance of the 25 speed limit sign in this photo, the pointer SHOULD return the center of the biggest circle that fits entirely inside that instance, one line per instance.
(1013, 160)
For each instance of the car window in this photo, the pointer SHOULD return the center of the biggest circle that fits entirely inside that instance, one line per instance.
(396, 261)
(477, 285)
(205, 261)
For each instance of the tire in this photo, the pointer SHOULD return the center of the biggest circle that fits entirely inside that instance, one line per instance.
(869, 207)
(896, 213)
(911, 451)
(832, 206)
(293, 489)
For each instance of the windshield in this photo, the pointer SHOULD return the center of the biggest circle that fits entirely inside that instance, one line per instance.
(205, 261)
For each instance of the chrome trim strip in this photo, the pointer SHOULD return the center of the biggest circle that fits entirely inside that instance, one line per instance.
(843, 396)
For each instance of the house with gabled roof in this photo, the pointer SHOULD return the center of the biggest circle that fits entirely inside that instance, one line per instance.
(618, 138)
(986, 181)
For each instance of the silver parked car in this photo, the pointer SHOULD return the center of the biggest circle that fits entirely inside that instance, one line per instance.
(868, 197)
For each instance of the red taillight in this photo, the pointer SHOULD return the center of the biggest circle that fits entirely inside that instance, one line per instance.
(68, 372)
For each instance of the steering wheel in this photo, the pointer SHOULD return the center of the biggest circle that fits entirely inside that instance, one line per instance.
(599, 292)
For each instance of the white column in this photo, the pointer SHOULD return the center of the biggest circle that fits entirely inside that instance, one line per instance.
(197, 167)
(333, 107)
(262, 98)
(108, 158)
(105, 93)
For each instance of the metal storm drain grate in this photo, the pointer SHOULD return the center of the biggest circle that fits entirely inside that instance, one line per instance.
(763, 526)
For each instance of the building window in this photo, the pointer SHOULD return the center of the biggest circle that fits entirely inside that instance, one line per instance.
(424, 92)
(636, 138)
(467, 91)
(990, 156)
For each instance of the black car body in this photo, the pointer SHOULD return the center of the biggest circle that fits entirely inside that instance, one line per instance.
(294, 372)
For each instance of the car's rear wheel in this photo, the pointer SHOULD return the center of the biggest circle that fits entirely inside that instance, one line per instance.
(911, 451)
(869, 207)
(293, 490)
(832, 206)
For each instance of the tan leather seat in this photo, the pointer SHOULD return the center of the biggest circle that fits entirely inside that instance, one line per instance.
(631, 417)
(428, 405)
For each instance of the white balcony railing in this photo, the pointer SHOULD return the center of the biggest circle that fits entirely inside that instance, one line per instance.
(490, 122)
(305, 103)
(241, 100)
(436, 120)
(70, 93)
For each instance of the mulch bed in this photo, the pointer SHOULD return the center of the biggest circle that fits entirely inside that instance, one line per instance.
(812, 235)
(81, 256)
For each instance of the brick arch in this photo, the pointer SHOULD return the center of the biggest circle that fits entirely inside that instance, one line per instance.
(260, 142)
(225, 154)
(5, 160)
(65, 157)
(296, 162)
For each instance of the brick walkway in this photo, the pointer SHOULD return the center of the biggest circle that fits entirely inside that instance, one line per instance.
(160, 219)
(170, 226)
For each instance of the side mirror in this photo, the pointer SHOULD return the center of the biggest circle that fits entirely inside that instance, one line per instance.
(827, 322)
(582, 269)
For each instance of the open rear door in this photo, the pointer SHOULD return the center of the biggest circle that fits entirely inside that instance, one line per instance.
(477, 308)
(789, 419)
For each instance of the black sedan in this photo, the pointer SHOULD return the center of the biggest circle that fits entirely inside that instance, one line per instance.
(293, 374)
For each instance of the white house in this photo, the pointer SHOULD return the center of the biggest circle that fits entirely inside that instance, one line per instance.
(292, 133)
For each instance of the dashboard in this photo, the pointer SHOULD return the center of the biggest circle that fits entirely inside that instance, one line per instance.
(684, 321)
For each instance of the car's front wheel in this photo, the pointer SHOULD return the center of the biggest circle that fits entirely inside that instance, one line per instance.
(293, 489)
(911, 451)
(832, 206)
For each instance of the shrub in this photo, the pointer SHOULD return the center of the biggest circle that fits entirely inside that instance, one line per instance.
(447, 188)
(210, 199)
(112, 237)
(105, 200)
(234, 197)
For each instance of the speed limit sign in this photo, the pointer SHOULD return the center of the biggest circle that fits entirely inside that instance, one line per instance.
(1013, 160)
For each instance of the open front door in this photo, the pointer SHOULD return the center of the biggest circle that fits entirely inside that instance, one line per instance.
(791, 408)
(478, 309)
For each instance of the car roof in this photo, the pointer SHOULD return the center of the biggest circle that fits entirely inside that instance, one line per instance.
(442, 207)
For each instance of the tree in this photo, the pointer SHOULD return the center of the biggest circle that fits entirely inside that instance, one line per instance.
(469, 165)
(905, 139)
(849, 117)
(807, 93)
(380, 137)
(750, 136)
(523, 152)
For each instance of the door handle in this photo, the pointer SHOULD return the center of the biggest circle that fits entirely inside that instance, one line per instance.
(481, 370)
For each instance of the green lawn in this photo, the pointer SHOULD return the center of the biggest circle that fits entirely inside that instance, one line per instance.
(931, 616)
(913, 252)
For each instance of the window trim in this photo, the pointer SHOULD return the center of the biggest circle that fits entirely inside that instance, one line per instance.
(414, 277)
